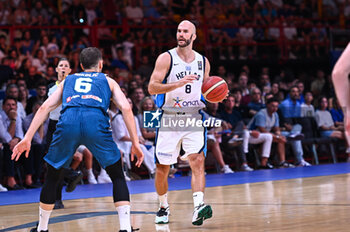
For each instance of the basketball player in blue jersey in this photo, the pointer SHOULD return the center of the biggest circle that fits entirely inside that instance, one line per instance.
(177, 79)
(85, 98)
(340, 76)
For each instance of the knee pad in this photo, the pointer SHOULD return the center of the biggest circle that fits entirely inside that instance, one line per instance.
(49, 190)
(120, 189)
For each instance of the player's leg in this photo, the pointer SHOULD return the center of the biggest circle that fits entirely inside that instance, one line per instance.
(121, 195)
(166, 153)
(161, 184)
(58, 203)
(100, 142)
(194, 145)
(48, 197)
(201, 210)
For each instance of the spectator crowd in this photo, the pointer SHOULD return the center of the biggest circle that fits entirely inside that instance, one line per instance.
(261, 116)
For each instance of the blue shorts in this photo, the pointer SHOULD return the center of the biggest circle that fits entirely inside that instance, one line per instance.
(82, 126)
(326, 133)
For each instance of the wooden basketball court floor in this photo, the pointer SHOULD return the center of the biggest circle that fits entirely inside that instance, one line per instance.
(304, 199)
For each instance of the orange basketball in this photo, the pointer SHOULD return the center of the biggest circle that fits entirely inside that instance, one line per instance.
(214, 89)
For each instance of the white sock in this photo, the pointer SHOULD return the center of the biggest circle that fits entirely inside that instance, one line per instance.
(124, 217)
(163, 200)
(103, 172)
(89, 172)
(44, 217)
(198, 198)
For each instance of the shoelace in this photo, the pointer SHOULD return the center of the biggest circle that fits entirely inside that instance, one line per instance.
(199, 206)
(162, 212)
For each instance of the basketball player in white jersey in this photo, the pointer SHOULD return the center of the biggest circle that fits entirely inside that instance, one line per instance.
(340, 76)
(177, 79)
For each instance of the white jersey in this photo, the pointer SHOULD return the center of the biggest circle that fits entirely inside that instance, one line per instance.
(188, 97)
(55, 114)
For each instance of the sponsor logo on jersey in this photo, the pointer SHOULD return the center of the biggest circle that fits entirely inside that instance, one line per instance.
(181, 103)
(91, 97)
(72, 97)
(190, 103)
(177, 102)
(84, 97)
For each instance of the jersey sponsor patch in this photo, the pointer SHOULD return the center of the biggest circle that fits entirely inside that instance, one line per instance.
(72, 97)
(91, 97)
(84, 97)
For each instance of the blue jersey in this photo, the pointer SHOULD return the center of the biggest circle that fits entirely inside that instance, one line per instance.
(84, 120)
(86, 89)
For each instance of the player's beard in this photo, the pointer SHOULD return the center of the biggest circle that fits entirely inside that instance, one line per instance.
(187, 42)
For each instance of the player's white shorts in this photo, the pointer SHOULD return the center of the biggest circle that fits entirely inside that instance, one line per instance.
(170, 140)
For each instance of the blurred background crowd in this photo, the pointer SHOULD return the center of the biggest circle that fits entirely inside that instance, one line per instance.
(275, 55)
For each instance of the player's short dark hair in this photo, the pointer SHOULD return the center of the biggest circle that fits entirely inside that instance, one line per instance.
(89, 57)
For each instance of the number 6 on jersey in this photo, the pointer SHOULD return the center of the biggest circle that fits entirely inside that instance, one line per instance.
(82, 85)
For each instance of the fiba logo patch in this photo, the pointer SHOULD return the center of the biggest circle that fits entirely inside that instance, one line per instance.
(151, 119)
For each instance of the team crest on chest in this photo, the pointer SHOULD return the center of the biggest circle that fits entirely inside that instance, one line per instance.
(200, 65)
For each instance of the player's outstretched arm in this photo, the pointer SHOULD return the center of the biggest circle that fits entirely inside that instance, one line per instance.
(161, 68)
(340, 76)
(122, 103)
(41, 115)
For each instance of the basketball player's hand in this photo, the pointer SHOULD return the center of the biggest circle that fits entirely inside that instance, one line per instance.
(136, 150)
(23, 146)
(187, 79)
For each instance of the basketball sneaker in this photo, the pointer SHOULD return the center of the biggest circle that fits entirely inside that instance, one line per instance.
(2, 188)
(36, 230)
(162, 216)
(226, 169)
(132, 230)
(201, 213)
(73, 178)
